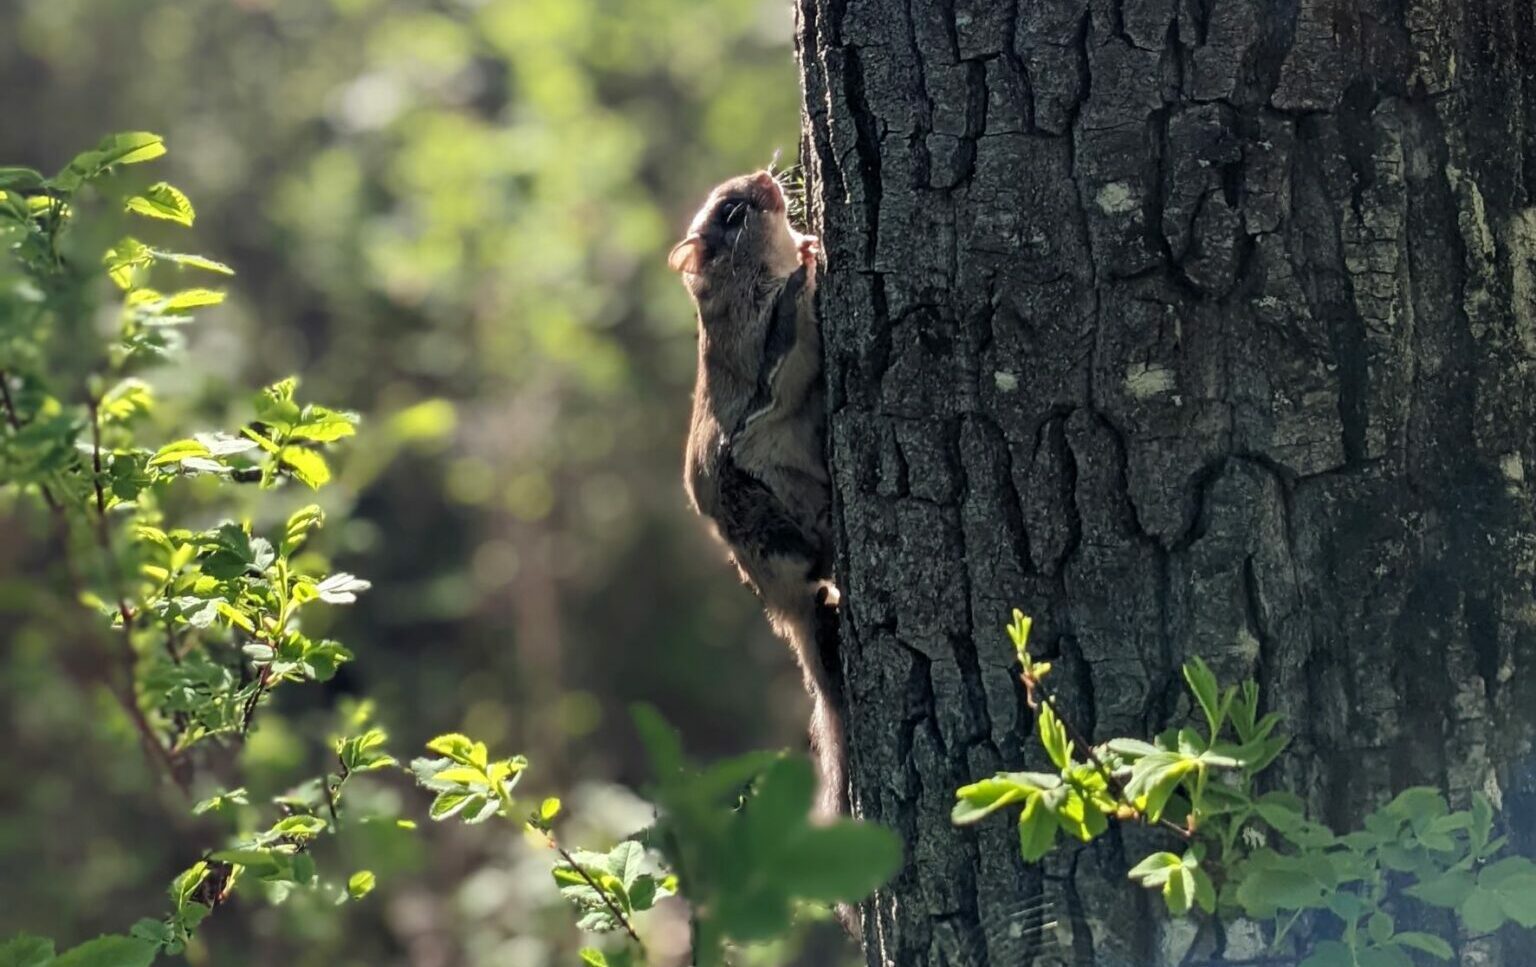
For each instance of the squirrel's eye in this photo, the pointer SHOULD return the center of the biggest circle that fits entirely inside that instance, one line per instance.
(731, 211)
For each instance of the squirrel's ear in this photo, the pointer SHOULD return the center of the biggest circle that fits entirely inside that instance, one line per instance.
(688, 255)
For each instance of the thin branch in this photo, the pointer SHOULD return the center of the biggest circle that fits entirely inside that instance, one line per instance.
(249, 713)
(331, 793)
(129, 656)
(602, 893)
(14, 419)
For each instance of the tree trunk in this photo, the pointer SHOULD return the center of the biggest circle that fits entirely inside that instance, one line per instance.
(1190, 327)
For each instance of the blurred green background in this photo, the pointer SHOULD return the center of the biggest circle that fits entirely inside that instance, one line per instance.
(453, 218)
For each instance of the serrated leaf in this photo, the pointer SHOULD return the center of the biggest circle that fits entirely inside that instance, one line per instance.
(1053, 737)
(177, 452)
(24, 179)
(113, 951)
(341, 588)
(164, 201)
(324, 426)
(1450, 889)
(1037, 830)
(192, 299)
(130, 148)
(1482, 912)
(192, 261)
(307, 466)
(846, 860)
(1427, 943)
(26, 951)
(453, 745)
(1178, 891)
(1202, 684)
(1513, 882)
(360, 884)
(1155, 869)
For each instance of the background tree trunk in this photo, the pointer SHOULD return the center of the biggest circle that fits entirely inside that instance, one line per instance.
(1191, 327)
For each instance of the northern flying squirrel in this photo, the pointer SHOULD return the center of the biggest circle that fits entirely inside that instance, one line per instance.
(755, 465)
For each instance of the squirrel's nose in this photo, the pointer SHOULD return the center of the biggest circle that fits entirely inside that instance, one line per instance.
(771, 196)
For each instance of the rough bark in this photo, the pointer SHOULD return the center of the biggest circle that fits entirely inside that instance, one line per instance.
(1191, 327)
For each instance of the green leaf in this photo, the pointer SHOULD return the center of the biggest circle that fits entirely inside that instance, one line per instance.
(1155, 869)
(1202, 683)
(1053, 736)
(130, 398)
(1482, 912)
(177, 452)
(549, 809)
(191, 261)
(1155, 777)
(192, 299)
(1268, 889)
(1513, 882)
(125, 259)
(341, 588)
(1480, 829)
(113, 951)
(24, 179)
(1037, 830)
(845, 860)
(360, 884)
(1131, 749)
(1205, 890)
(1427, 943)
(218, 803)
(1018, 631)
(593, 957)
(1449, 890)
(980, 799)
(1380, 927)
(131, 148)
(324, 426)
(26, 951)
(1419, 805)
(459, 748)
(307, 466)
(661, 742)
(1178, 891)
(187, 883)
(450, 803)
(643, 893)
(163, 201)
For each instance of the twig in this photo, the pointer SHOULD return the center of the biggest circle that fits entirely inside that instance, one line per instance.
(332, 793)
(602, 893)
(14, 420)
(250, 705)
(130, 657)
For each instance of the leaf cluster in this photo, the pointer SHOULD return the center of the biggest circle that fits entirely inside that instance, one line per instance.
(1243, 853)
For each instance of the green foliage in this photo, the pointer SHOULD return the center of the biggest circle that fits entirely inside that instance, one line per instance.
(1198, 786)
(114, 951)
(742, 868)
(207, 622)
(735, 839)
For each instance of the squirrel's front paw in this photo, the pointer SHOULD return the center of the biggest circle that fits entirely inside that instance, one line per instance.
(810, 249)
(828, 596)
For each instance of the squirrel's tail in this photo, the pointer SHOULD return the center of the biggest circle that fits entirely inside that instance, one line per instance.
(802, 626)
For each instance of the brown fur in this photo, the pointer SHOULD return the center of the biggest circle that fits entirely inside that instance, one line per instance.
(755, 465)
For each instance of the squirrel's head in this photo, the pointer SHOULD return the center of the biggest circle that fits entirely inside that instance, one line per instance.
(742, 233)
